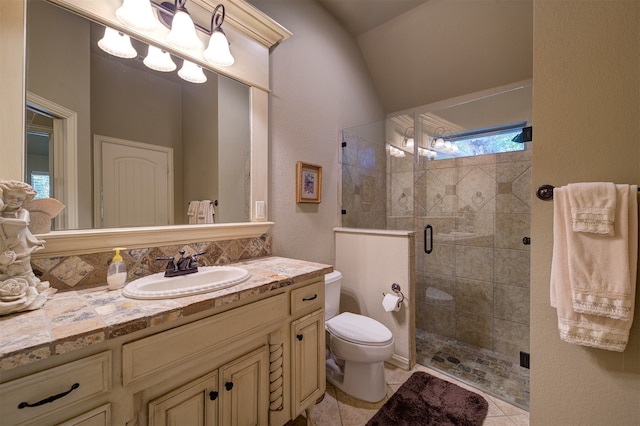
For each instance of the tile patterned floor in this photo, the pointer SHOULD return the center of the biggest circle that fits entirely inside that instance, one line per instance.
(493, 373)
(339, 409)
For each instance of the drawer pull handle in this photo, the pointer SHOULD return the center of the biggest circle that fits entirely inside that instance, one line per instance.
(300, 337)
(49, 399)
(213, 395)
(228, 386)
(306, 299)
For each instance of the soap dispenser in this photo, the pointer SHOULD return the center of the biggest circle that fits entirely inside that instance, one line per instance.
(117, 272)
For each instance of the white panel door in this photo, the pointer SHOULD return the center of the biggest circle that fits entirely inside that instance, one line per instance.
(135, 181)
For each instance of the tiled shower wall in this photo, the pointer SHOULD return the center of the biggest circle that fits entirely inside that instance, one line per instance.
(479, 208)
(364, 183)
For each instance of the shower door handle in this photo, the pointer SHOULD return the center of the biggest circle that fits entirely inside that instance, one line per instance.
(428, 249)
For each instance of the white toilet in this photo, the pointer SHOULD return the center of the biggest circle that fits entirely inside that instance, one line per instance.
(357, 347)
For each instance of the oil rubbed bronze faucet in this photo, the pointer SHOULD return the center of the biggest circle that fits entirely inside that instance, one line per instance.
(183, 266)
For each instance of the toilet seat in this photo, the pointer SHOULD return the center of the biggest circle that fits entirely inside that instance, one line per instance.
(359, 329)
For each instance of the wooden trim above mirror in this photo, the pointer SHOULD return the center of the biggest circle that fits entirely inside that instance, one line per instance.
(69, 243)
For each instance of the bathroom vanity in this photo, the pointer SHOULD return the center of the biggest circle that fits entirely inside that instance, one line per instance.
(248, 354)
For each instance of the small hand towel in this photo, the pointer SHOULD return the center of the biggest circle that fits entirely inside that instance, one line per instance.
(593, 207)
(205, 212)
(192, 211)
(574, 250)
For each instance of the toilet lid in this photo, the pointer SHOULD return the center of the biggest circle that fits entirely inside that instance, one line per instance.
(359, 329)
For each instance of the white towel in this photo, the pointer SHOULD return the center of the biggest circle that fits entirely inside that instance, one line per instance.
(205, 212)
(192, 211)
(593, 206)
(593, 268)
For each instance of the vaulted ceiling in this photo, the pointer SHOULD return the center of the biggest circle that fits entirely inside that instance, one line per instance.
(420, 51)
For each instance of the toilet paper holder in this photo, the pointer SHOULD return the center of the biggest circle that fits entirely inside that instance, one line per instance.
(395, 287)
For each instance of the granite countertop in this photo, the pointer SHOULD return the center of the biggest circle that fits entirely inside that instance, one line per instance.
(71, 320)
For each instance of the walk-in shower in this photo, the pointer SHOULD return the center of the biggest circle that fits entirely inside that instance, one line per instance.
(459, 175)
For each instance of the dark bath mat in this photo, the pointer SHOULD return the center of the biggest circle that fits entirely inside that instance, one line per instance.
(428, 400)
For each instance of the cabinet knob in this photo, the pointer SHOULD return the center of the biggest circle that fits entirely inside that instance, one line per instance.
(228, 386)
(300, 337)
(213, 395)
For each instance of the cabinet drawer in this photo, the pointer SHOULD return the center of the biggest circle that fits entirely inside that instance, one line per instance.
(163, 351)
(35, 397)
(307, 299)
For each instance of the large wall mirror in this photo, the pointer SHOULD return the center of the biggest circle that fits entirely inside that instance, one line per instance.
(228, 113)
(139, 132)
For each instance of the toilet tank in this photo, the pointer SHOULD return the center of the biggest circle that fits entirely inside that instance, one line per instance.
(332, 284)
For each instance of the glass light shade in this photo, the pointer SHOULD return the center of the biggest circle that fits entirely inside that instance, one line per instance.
(137, 14)
(192, 72)
(395, 152)
(427, 153)
(159, 60)
(218, 52)
(439, 143)
(407, 142)
(117, 44)
(183, 32)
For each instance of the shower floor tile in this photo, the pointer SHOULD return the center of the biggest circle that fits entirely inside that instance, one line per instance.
(488, 371)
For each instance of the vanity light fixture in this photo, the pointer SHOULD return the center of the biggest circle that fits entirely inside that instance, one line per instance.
(183, 30)
(424, 152)
(137, 14)
(441, 141)
(159, 60)
(192, 72)
(395, 152)
(408, 141)
(117, 44)
(218, 52)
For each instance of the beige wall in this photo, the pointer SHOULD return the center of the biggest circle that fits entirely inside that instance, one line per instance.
(320, 85)
(370, 261)
(586, 104)
(66, 82)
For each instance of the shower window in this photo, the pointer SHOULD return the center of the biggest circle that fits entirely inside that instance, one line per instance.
(491, 140)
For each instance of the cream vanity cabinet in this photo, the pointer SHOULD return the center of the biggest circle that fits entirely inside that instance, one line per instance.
(259, 362)
(214, 371)
(83, 384)
(235, 394)
(307, 347)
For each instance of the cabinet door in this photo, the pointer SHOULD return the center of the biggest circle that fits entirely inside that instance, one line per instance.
(244, 390)
(194, 404)
(308, 361)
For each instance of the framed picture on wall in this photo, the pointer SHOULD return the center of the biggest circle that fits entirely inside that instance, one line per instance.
(308, 183)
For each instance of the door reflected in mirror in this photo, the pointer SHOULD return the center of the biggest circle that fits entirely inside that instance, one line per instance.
(86, 94)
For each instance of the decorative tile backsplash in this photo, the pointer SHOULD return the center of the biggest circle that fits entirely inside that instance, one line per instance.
(90, 270)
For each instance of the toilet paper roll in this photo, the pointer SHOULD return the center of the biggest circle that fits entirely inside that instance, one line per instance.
(390, 303)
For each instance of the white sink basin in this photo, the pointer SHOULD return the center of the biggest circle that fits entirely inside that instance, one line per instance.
(208, 278)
